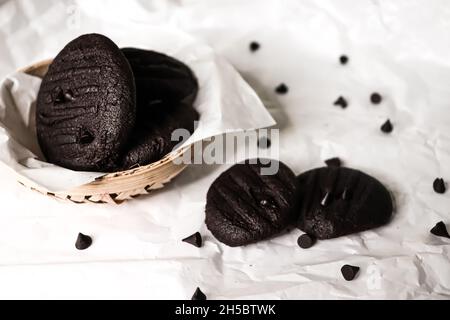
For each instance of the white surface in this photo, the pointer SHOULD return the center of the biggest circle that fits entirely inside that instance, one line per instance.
(225, 102)
(400, 49)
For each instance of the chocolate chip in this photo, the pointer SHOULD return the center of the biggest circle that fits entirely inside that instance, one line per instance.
(264, 143)
(333, 162)
(341, 102)
(440, 230)
(306, 241)
(375, 98)
(349, 272)
(195, 239)
(254, 46)
(343, 59)
(57, 95)
(86, 137)
(68, 95)
(387, 127)
(83, 241)
(281, 89)
(198, 295)
(439, 185)
(326, 199)
(345, 194)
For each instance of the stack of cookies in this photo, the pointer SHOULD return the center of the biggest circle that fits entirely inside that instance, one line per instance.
(105, 109)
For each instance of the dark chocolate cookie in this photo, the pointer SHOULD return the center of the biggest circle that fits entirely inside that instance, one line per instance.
(160, 78)
(152, 137)
(339, 201)
(85, 109)
(166, 89)
(243, 206)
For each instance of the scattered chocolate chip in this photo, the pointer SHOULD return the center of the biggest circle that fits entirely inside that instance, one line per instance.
(343, 59)
(83, 241)
(349, 272)
(387, 127)
(440, 230)
(306, 241)
(439, 185)
(264, 143)
(254, 46)
(198, 295)
(195, 239)
(341, 102)
(333, 162)
(281, 89)
(375, 98)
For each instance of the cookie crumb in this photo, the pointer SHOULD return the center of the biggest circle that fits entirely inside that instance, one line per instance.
(375, 98)
(306, 241)
(349, 272)
(439, 185)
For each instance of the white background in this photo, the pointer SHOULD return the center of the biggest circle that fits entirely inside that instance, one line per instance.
(398, 48)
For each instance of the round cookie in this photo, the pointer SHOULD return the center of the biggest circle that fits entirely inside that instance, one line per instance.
(85, 108)
(166, 89)
(339, 201)
(244, 206)
(152, 137)
(160, 78)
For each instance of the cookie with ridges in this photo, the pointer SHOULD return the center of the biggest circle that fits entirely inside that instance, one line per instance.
(160, 78)
(85, 109)
(337, 201)
(152, 137)
(244, 206)
(166, 89)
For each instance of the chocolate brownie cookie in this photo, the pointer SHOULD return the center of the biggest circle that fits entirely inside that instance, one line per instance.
(339, 201)
(152, 138)
(243, 206)
(160, 78)
(85, 109)
(166, 89)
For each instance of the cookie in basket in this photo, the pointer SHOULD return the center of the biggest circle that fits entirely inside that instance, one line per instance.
(85, 109)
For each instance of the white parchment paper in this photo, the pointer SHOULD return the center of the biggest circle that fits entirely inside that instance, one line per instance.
(225, 102)
(399, 48)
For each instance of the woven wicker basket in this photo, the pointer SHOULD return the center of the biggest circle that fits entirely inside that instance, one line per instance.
(113, 187)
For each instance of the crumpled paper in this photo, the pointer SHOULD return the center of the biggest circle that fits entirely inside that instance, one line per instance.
(225, 102)
(398, 48)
